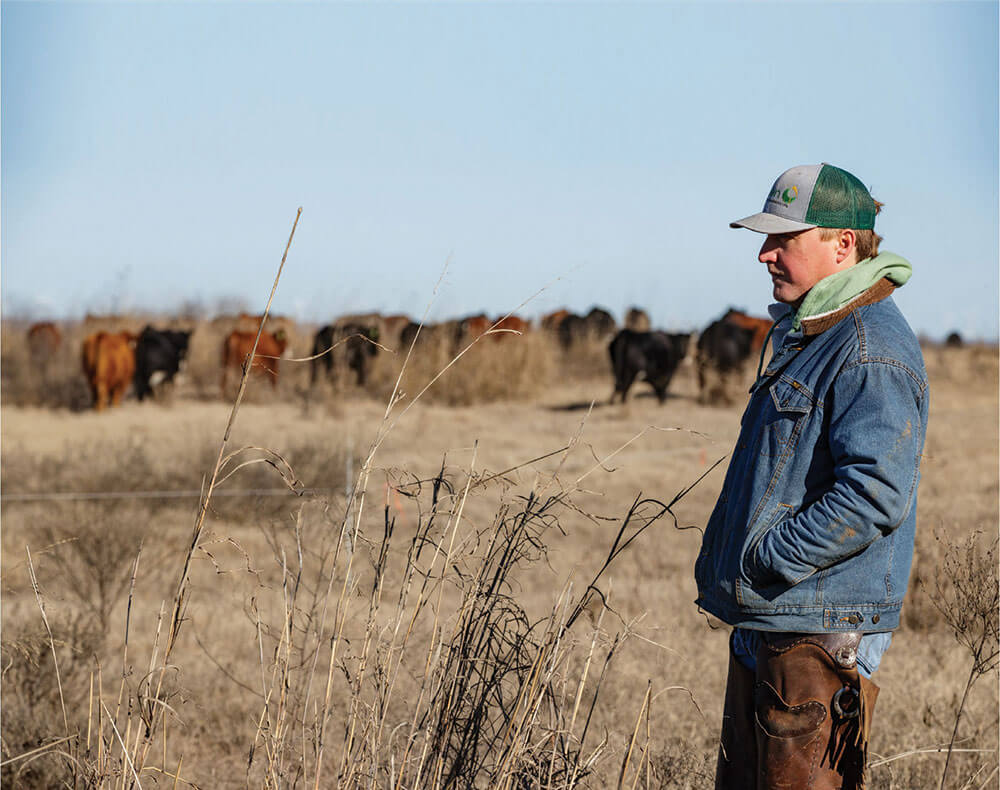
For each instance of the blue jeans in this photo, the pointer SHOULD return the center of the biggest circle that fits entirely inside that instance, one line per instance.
(870, 651)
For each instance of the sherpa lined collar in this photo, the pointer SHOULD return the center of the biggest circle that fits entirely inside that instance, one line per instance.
(816, 324)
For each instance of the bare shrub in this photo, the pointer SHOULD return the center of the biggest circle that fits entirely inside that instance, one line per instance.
(93, 547)
(35, 749)
(967, 595)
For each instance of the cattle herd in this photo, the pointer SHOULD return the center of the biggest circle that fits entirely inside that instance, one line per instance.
(114, 362)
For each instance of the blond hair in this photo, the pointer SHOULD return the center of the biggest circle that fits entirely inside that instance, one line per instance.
(866, 241)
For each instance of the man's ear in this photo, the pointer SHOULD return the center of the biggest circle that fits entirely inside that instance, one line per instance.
(846, 243)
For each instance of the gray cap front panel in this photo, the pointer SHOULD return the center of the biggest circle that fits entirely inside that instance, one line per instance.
(792, 192)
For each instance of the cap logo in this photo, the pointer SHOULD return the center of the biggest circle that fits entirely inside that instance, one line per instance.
(790, 194)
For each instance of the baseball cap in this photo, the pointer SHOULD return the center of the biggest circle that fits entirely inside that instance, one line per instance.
(813, 196)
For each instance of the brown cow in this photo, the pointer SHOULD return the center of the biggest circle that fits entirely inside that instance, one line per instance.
(551, 321)
(237, 347)
(468, 329)
(109, 365)
(759, 326)
(511, 326)
(44, 339)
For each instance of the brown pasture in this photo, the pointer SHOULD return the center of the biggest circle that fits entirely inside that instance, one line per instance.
(506, 421)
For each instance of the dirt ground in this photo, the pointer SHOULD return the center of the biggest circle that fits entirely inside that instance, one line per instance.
(615, 455)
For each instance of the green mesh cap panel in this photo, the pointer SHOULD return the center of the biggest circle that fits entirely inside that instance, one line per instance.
(840, 200)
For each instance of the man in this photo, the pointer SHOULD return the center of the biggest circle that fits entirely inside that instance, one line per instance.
(808, 550)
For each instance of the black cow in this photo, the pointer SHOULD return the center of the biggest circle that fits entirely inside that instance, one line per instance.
(722, 348)
(353, 344)
(656, 355)
(159, 355)
(409, 334)
(571, 330)
(600, 323)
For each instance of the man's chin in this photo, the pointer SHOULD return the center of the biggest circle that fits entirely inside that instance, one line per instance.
(783, 295)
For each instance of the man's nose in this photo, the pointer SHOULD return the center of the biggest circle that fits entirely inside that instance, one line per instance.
(768, 251)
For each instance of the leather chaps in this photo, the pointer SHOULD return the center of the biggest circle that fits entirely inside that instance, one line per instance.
(801, 720)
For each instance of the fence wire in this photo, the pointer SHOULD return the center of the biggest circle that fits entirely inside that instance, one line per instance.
(55, 496)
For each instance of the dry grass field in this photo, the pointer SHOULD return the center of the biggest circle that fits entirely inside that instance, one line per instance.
(506, 600)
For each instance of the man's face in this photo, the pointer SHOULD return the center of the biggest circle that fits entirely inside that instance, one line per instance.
(797, 261)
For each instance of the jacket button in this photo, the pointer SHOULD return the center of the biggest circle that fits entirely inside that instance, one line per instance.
(875, 618)
(854, 619)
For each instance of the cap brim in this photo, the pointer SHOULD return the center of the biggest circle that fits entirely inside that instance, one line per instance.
(770, 223)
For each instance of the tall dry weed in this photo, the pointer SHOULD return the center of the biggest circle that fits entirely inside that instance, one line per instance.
(41, 678)
(410, 661)
(966, 593)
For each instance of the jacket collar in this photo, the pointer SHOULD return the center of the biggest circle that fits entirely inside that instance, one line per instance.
(816, 324)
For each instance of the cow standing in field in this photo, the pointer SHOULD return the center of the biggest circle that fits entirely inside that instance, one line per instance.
(44, 339)
(761, 327)
(410, 332)
(109, 366)
(600, 323)
(572, 330)
(159, 356)
(467, 329)
(637, 320)
(655, 355)
(723, 349)
(391, 327)
(352, 344)
(551, 321)
(509, 326)
(238, 345)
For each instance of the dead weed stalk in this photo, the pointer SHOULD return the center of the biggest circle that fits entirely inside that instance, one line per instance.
(967, 595)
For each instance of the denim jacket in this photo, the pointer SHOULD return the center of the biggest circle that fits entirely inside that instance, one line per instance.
(815, 525)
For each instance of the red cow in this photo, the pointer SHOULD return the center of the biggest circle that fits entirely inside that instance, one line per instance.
(44, 339)
(109, 365)
(759, 326)
(469, 328)
(237, 347)
(511, 326)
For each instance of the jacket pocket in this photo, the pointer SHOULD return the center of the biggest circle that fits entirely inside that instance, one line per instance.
(753, 593)
(782, 416)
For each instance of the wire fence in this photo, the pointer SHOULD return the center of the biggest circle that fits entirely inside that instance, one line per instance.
(55, 496)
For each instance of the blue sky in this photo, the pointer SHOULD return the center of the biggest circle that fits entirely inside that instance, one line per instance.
(155, 153)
